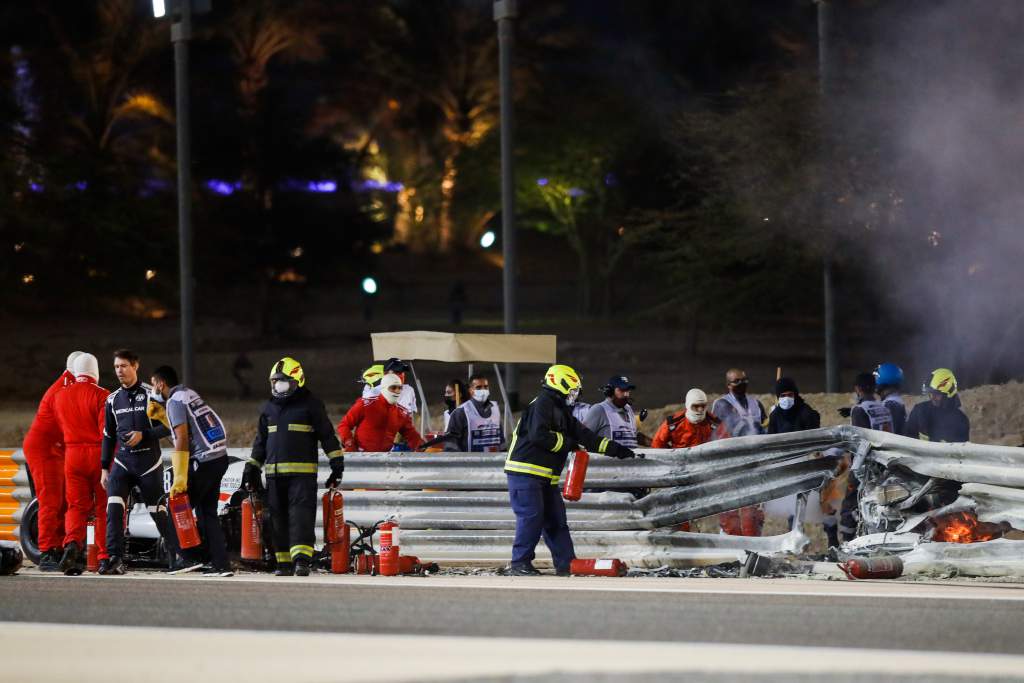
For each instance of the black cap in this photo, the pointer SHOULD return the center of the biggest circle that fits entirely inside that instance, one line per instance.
(784, 384)
(865, 381)
(395, 365)
(620, 382)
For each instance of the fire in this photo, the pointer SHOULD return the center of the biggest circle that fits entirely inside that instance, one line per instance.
(962, 527)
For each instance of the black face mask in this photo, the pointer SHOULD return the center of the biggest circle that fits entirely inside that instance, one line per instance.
(449, 402)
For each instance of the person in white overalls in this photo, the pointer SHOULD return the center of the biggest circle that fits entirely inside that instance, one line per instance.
(475, 426)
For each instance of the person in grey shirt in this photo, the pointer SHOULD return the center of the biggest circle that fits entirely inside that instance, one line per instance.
(614, 418)
(741, 414)
(198, 431)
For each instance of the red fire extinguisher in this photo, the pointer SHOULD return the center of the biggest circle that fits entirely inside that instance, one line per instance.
(336, 531)
(367, 564)
(388, 548)
(883, 567)
(92, 553)
(597, 568)
(184, 521)
(573, 488)
(252, 528)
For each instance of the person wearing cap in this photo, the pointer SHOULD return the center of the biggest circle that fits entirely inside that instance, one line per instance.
(44, 453)
(940, 417)
(291, 425)
(81, 411)
(741, 414)
(690, 427)
(614, 418)
(372, 424)
(791, 413)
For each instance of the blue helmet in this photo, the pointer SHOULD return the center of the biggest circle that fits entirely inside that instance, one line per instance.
(888, 375)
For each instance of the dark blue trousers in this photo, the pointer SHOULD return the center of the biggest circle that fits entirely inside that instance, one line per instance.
(540, 511)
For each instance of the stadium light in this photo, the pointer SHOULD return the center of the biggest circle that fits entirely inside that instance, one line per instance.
(369, 285)
(487, 239)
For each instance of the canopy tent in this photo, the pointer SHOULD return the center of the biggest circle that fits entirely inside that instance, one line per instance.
(451, 347)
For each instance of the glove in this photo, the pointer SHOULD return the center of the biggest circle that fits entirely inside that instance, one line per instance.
(619, 451)
(845, 412)
(155, 411)
(337, 469)
(252, 478)
(179, 461)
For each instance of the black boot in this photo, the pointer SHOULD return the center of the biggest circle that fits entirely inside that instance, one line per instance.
(50, 561)
(284, 569)
(71, 561)
(115, 567)
(301, 566)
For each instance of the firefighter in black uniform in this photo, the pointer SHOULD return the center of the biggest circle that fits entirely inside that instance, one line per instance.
(291, 425)
(543, 439)
(130, 457)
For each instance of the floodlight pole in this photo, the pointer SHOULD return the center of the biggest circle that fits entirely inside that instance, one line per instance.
(828, 280)
(181, 32)
(505, 15)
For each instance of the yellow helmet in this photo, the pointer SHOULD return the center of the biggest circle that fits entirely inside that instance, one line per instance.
(287, 370)
(562, 379)
(944, 382)
(373, 375)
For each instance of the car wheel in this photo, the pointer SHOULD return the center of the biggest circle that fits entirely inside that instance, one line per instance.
(28, 531)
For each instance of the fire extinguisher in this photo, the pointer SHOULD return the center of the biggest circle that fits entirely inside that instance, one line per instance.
(597, 568)
(367, 564)
(336, 531)
(573, 488)
(252, 528)
(882, 567)
(184, 521)
(92, 553)
(388, 548)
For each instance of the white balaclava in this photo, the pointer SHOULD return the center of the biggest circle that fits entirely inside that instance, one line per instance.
(71, 360)
(85, 364)
(390, 380)
(696, 396)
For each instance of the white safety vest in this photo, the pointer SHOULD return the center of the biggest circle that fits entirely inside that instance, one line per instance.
(580, 410)
(208, 436)
(751, 415)
(622, 429)
(483, 434)
(406, 399)
(878, 415)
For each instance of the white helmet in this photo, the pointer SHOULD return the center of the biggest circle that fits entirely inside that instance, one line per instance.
(85, 364)
(71, 360)
(387, 381)
(696, 397)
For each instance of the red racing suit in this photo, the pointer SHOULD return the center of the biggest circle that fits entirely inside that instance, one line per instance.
(372, 423)
(80, 411)
(44, 453)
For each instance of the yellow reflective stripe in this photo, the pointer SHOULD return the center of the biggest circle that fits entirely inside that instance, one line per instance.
(603, 445)
(559, 442)
(302, 550)
(515, 437)
(523, 470)
(300, 428)
(283, 557)
(255, 462)
(335, 454)
(272, 428)
(529, 468)
(291, 468)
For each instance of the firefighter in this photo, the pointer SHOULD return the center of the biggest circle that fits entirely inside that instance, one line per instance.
(543, 438)
(889, 381)
(741, 414)
(614, 416)
(199, 461)
(44, 453)
(690, 427)
(475, 426)
(132, 428)
(372, 424)
(80, 410)
(940, 417)
(291, 425)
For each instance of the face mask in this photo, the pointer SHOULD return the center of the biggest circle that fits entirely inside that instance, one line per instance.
(449, 402)
(696, 416)
(281, 387)
(155, 395)
(481, 395)
(786, 402)
(570, 398)
(390, 396)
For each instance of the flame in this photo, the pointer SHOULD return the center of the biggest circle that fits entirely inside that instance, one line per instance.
(961, 527)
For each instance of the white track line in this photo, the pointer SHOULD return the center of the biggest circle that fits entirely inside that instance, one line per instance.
(173, 654)
(769, 587)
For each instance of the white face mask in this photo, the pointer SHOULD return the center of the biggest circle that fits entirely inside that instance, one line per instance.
(155, 395)
(281, 387)
(570, 398)
(786, 402)
(390, 396)
(696, 415)
(481, 395)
